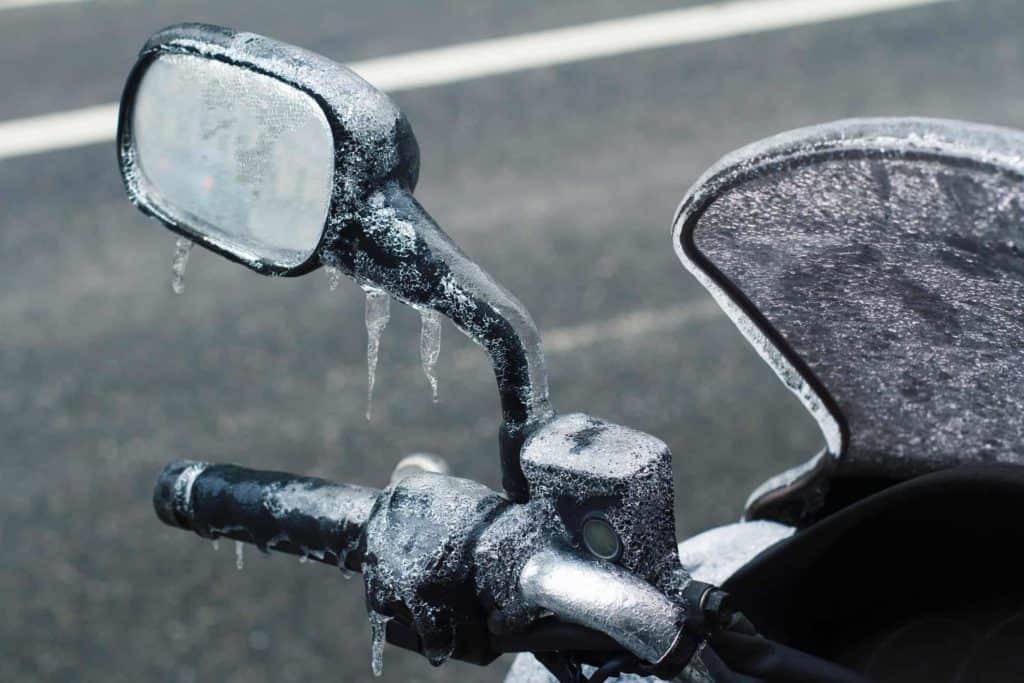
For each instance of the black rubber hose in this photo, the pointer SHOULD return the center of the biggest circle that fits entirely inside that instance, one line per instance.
(720, 673)
(761, 658)
(273, 510)
(552, 635)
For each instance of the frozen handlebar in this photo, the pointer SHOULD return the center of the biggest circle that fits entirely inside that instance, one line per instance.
(273, 510)
(419, 540)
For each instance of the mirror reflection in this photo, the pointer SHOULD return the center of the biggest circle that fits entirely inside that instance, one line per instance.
(234, 155)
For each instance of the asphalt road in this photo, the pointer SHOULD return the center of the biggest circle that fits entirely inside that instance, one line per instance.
(560, 181)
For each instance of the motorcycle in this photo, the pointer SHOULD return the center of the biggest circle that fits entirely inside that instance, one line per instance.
(875, 264)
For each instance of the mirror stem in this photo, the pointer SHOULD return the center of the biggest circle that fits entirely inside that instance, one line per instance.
(392, 243)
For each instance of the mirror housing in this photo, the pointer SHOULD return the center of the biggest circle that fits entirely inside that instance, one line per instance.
(374, 231)
(373, 143)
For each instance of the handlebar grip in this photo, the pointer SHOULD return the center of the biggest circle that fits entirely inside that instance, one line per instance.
(273, 510)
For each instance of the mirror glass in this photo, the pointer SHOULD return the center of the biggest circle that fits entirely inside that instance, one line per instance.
(234, 155)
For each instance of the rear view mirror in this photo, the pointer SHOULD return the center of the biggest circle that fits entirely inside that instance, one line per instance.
(254, 148)
(284, 161)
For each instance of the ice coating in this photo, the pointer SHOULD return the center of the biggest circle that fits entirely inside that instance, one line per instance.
(504, 549)
(785, 370)
(378, 313)
(365, 112)
(308, 497)
(333, 277)
(342, 559)
(389, 231)
(604, 597)
(715, 555)
(578, 462)
(579, 467)
(595, 447)
(182, 249)
(304, 516)
(391, 243)
(493, 318)
(332, 516)
(419, 554)
(916, 329)
(182, 489)
(419, 462)
(430, 347)
(887, 262)
(378, 638)
(801, 490)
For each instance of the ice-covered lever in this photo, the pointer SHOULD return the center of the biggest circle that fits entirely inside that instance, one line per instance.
(607, 598)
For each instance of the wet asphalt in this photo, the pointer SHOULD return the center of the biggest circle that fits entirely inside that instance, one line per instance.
(560, 181)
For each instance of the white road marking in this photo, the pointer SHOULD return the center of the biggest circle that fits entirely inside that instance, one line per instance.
(63, 130)
(628, 326)
(498, 56)
(645, 322)
(612, 37)
(18, 4)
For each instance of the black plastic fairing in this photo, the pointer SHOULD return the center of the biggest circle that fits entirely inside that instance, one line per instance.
(918, 582)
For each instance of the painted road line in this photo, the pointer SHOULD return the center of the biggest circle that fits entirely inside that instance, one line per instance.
(641, 323)
(19, 4)
(501, 55)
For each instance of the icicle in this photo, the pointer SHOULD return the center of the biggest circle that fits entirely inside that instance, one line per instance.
(216, 544)
(342, 556)
(333, 276)
(239, 556)
(378, 633)
(182, 248)
(378, 313)
(430, 346)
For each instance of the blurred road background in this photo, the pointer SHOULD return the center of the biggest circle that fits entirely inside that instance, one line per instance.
(560, 181)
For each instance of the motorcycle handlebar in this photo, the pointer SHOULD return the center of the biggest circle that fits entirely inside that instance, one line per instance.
(598, 607)
(273, 510)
